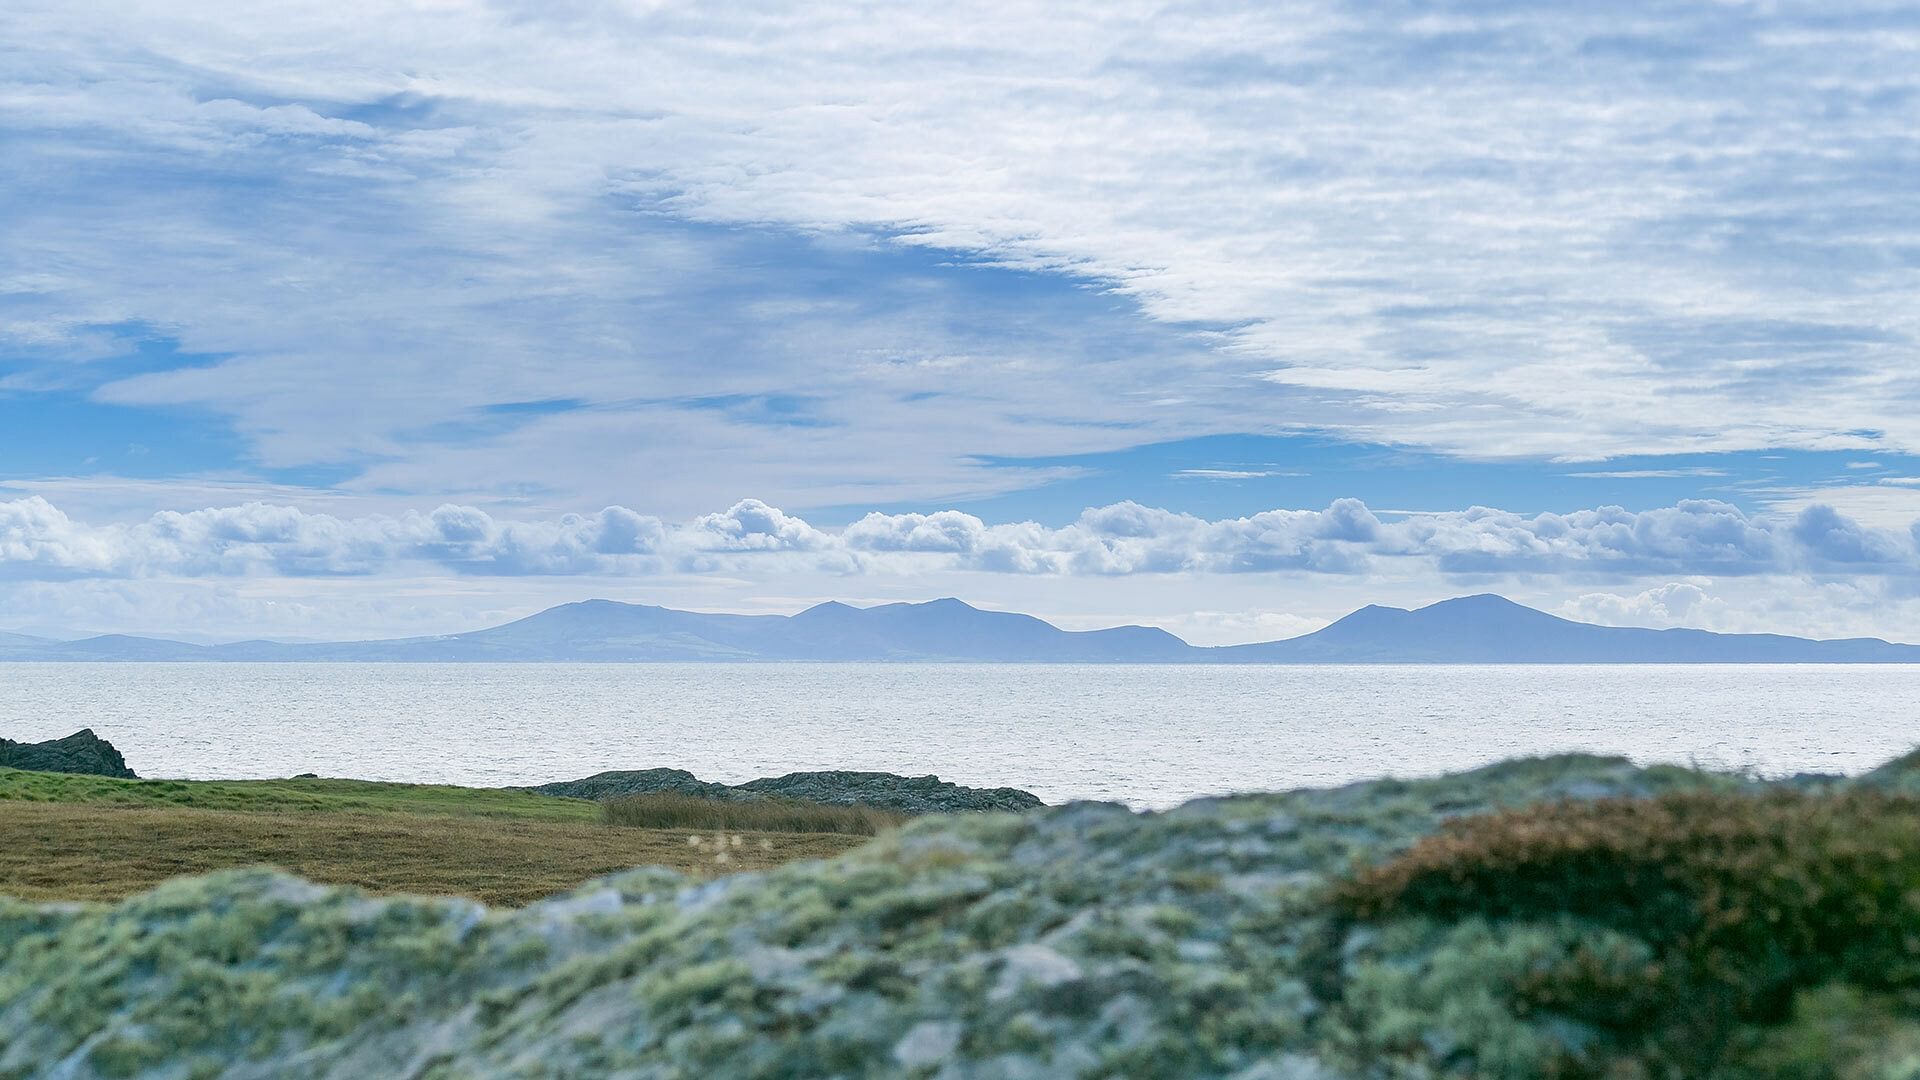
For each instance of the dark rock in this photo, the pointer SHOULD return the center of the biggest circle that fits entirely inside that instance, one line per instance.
(885, 791)
(306, 776)
(80, 752)
(613, 785)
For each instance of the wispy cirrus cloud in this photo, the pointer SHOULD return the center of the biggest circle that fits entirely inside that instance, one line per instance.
(1509, 229)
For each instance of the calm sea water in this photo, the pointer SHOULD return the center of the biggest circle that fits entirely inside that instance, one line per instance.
(1150, 736)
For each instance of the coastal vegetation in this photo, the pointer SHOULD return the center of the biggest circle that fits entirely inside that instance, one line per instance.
(1698, 933)
(100, 833)
(53, 851)
(78, 837)
(1570, 917)
(304, 795)
(676, 810)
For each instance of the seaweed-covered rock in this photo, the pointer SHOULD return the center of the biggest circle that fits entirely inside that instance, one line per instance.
(80, 752)
(1077, 941)
(884, 791)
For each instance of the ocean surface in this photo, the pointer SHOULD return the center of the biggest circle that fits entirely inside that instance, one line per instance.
(1147, 735)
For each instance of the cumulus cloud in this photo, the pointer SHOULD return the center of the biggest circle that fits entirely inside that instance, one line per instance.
(1679, 603)
(1124, 539)
(260, 538)
(751, 525)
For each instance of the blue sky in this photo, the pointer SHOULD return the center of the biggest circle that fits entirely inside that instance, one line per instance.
(438, 313)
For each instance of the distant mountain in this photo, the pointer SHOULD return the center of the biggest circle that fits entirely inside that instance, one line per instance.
(1489, 629)
(1470, 630)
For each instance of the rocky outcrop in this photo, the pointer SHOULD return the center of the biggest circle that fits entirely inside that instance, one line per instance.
(613, 785)
(1076, 941)
(884, 791)
(80, 752)
(887, 791)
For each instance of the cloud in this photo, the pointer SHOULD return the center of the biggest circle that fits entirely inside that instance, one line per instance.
(1228, 627)
(260, 538)
(1674, 604)
(1649, 474)
(1890, 502)
(751, 525)
(1123, 539)
(1232, 474)
(1516, 229)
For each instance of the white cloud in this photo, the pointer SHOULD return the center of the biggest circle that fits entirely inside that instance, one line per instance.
(1526, 230)
(1775, 603)
(1231, 627)
(1124, 539)
(256, 570)
(1232, 474)
(1649, 474)
(1676, 603)
(260, 538)
(1891, 502)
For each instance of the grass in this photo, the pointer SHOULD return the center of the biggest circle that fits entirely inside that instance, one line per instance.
(291, 796)
(68, 837)
(673, 810)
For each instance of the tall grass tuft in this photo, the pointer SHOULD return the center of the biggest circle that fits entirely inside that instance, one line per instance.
(674, 810)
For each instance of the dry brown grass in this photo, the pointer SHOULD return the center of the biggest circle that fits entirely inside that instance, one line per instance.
(672, 810)
(54, 851)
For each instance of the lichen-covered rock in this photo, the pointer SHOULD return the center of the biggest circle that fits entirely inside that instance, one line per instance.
(884, 791)
(80, 752)
(1078, 941)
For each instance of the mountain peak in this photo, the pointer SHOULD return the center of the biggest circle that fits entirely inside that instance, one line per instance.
(597, 605)
(1477, 602)
(830, 605)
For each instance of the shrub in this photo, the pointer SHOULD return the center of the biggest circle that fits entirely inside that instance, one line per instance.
(1744, 902)
(675, 810)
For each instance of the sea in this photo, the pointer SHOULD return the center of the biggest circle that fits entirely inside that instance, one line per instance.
(1149, 736)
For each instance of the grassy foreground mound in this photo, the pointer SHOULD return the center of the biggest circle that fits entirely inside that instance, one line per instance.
(1302, 936)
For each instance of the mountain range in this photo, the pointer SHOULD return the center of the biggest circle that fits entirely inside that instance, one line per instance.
(1482, 629)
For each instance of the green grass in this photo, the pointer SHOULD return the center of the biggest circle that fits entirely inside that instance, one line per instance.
(54, 851)
(292, 796)
(69, 837)
(674, 810)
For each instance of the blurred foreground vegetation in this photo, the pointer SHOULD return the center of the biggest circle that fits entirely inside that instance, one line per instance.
(1565, 917)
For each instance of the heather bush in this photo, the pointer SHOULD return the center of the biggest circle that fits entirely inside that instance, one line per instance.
(1704, 916)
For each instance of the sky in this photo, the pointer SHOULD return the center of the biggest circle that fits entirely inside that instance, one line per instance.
(347, 319)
